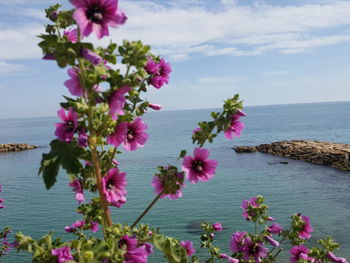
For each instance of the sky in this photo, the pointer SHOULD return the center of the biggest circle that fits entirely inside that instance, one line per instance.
(268, 51)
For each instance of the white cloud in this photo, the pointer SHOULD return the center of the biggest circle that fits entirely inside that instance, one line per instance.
(20, 43)
(9, 68)
(187, 29)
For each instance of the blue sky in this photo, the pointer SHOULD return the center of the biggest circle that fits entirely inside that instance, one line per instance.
(269, 51)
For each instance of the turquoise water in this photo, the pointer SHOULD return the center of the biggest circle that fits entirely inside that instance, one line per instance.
(317, 191)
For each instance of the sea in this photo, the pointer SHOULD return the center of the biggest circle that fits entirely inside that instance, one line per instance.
(320, 192)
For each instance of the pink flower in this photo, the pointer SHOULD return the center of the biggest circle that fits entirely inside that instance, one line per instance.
(94, 226)
(116, 102)
(134, 251)
(188, 245)
(272, 241)
(307, 229)
(2, 203)
(135, 136)
(217, 226)
(245, 205)
(335, 259)
(158, 186)
(119, 134)
(66, 129)
(73, 84)
(270, 218)
(199, 168)
(196, 130)
(237, 241)
(71, 35)
(115, 162)
(76, 225)
(76, 185)
(114, 184)
(92, 57)
(155, 106)
(49, 56)
(236, 126)
(80, 224)
(63, 254)
(152, 67)
(82, 138)
(275, 229)
(229, 259)
(253, 250)
(96, 15)
(299, 253)
(159, 71)
(158, 81)
(165, 69)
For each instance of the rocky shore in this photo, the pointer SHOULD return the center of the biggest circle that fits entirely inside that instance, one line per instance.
(323, 153)
(14, 147)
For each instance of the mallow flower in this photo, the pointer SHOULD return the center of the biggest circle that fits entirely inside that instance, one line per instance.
(305, 232)
(254, 250)
(274, 229)
(198, 167)
(229, 259)
(63, 254)
(155, 106)
(136, 136)
(335, 259)
(71, 35)
(237, 241)
(159, 72)
(65, 130)
(73, 84)
(114, 184)
(188, 246)
(236, 126)
(300, 253)
(97, 15)
(135, 252)
(217, 226)
(78, 189)
(245, 206)
(92, 57)
(116, 102)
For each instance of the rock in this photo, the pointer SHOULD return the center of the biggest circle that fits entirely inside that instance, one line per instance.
(14, 147)
(244, 149)
(322, 153)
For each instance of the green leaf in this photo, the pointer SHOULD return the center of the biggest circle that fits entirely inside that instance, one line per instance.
(62, 154)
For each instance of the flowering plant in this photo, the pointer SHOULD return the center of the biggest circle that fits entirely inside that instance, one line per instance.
(104, 116)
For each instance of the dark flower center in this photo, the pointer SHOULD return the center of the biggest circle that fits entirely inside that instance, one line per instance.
(110, 185)
(130, 134)
(69, 126)
(197, 166)
(95, 14)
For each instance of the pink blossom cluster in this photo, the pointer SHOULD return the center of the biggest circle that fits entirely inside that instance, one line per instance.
(93, 226)
(241, 242)
(159, 72)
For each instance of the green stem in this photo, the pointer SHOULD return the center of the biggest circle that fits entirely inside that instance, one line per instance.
(147, 209)
(256, 228)
(92, 144)
(215, 122)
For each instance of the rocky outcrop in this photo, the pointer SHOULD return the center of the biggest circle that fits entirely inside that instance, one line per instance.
(14, 147)
(245, 149)
(323, 153)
